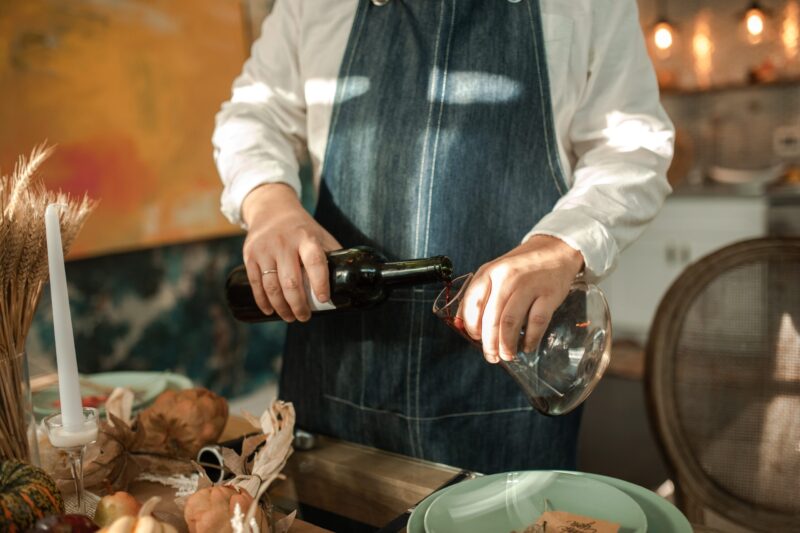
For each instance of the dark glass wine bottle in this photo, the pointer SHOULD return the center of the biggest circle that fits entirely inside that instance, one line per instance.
(359, 278)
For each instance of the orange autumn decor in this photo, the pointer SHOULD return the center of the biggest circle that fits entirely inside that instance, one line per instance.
(238, 505)
(27, 493)
(179, 423)
(124, 449)
(209, 510)
(144, 522)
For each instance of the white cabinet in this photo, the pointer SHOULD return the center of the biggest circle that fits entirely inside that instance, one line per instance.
(687, 229)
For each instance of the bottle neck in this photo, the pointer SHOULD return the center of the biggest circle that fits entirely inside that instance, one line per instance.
(416, 271)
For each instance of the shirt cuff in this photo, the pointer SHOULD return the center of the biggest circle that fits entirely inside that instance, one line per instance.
(586, 235)
(246, 180)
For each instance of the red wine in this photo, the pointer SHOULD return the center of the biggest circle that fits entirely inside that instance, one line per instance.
(457, 323)
(452, 319)
(359, 278)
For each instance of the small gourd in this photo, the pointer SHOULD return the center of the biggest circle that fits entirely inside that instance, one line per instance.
(27, 493)
(209, 510)
(145, 522)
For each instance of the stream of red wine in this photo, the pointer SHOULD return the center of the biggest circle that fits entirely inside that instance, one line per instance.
(451, 317)
(448, 286)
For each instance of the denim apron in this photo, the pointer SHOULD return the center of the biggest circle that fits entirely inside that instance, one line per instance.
(441, 143)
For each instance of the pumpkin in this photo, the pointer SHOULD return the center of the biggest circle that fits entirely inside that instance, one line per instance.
(144, 522)
(209, 510)
(179, 423)
(27, 493)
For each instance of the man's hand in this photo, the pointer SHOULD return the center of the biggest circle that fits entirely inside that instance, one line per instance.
(283, 237)
(519, 289)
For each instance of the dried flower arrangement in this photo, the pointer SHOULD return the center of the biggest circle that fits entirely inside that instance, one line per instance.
(180, 423)
(237, 505)
(128, 446)
(23, 272)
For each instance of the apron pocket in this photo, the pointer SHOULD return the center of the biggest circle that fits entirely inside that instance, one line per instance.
(364, 357)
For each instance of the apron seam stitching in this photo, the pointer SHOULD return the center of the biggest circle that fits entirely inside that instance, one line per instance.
(354, 405)
(438, 127)
(544, 106)
(363, 371)
(431, 94)
(408, 372)
(359, 21)
(442, 91)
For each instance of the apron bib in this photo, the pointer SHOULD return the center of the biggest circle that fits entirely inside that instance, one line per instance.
(441, 143)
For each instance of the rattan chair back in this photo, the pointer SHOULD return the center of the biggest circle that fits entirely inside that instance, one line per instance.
(723, 384)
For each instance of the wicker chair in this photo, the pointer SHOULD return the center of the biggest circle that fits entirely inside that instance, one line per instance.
(723, 384)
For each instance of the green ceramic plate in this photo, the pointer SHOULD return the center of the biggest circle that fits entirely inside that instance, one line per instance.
(145, 385)
(513, 501)
(177, 381)
(662, 516)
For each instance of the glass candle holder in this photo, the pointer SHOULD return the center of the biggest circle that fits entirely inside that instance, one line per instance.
(73, 441)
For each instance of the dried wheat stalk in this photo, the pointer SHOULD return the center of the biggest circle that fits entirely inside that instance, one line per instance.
(23, 272)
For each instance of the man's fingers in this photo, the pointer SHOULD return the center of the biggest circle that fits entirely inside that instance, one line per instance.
(316, 266)
(512, 319)
(471, 308)
(538, 319)
(254, 276)
(290, 277)
(490, 326)
(274, 292)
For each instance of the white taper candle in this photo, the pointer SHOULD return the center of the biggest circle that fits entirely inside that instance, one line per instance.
(68, 380)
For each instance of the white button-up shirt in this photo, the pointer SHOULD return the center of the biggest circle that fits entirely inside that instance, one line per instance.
(614, 138)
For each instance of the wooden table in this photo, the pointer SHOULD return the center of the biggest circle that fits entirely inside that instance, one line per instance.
(355, 482)
(358, 483)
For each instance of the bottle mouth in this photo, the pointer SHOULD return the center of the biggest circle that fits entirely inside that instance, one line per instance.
(446, 269)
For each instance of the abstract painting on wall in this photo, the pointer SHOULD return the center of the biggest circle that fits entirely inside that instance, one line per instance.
(127, 90)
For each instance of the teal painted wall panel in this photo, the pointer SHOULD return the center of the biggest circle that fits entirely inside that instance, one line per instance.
(162, 309)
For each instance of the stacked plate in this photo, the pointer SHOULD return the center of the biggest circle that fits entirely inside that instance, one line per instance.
(513, 502)
(95, 388)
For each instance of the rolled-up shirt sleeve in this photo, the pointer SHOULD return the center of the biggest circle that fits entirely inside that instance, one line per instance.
(258, 128)
(623, 141)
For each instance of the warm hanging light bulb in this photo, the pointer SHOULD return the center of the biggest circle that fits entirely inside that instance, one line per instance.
(790, 35)
(755, 22)
(663, 35)
(663, 32)
(703, 49)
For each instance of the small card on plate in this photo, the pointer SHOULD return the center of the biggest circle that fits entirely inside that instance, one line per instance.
(564, 522)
